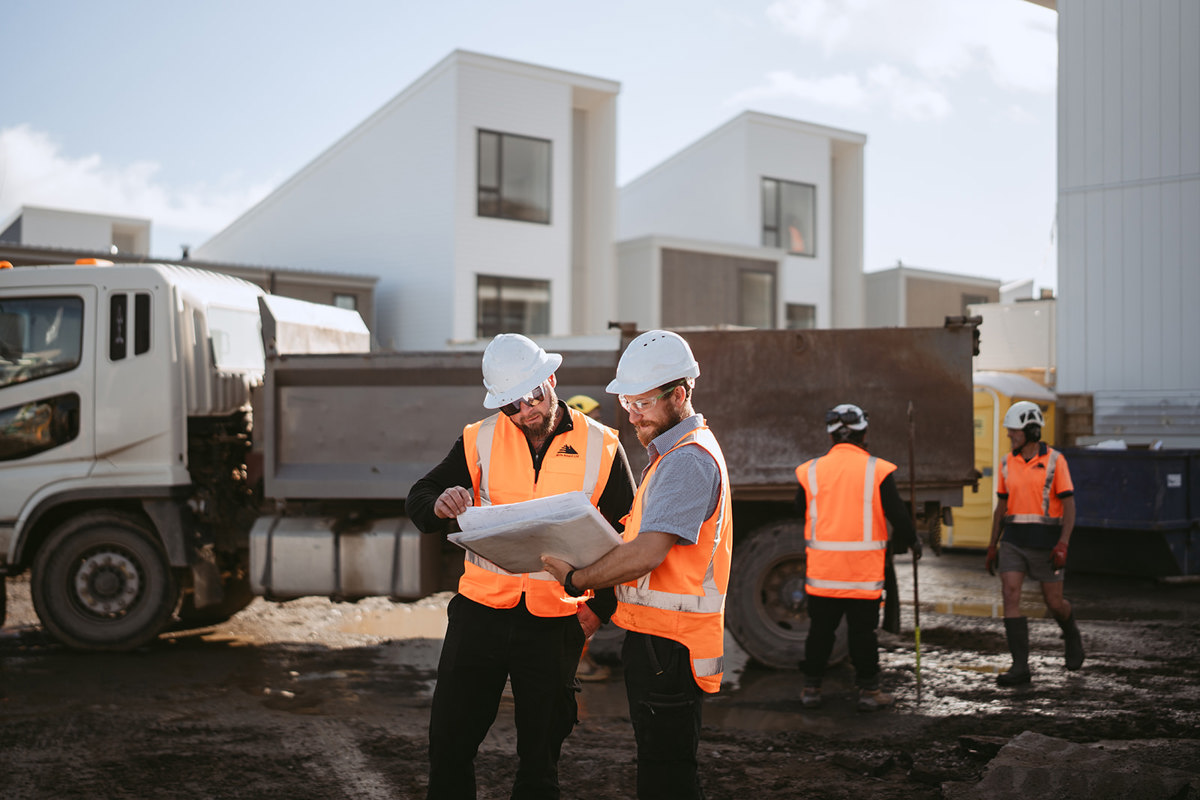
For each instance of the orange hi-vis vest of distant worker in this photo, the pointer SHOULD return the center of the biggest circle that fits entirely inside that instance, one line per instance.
(683, 598)
(845, 531)
(1033, 487)
(498, 457)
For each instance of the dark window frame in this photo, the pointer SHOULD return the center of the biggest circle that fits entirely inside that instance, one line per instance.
(496, 191)
(772, 229)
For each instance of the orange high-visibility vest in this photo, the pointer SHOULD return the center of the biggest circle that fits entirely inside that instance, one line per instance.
(683, 598)
(1033, 487)
(502, 472)
(845, 531)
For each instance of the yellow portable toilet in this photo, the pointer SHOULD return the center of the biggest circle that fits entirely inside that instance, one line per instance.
(994, 393)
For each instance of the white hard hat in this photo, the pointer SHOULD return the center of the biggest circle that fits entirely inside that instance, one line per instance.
(653, 359)
(846, 415)
(513, 366)
(1023, 413)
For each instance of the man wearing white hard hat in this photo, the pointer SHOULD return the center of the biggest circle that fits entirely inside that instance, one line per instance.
(672, 570)
(846, 499)
(506, 627)
(1031, 530)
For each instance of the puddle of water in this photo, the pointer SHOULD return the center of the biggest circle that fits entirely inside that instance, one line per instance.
(398, 622)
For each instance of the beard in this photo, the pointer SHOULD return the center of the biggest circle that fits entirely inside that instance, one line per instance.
(649, 432)
(542, 426)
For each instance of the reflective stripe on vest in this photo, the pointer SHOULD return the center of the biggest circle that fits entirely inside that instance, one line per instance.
(868, 541)
(692, 615)
(502, 472)
(1039, 519)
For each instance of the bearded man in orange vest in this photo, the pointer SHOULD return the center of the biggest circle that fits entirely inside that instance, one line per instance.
(846, 499)
(672, 570)
(502, 626)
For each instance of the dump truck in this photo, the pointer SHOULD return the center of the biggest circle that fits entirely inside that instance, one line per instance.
(175, 442)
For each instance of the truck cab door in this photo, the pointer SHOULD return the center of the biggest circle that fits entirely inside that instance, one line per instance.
(47, 377)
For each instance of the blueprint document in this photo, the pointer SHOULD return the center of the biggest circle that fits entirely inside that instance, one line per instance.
(514, 536)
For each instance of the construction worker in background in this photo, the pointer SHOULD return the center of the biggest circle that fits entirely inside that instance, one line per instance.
(672, 570)
(1032, 524)
(501, 626)
(588, 669)
(846, 499)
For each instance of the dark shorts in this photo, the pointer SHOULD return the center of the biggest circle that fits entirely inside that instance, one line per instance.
(1033, 561)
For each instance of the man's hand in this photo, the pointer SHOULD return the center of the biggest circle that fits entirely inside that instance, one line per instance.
(916, 549)
(1058, 556)
(587, 620)
(992, 558)
(556, 567)
(453, 502)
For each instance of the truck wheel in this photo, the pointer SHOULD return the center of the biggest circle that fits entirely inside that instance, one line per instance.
(767, 611)
(102, 581)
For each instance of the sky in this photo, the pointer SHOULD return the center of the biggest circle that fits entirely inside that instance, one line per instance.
(189, 113)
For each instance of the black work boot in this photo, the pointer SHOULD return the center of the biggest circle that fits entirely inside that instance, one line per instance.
(1016, 629)
(1074, 641)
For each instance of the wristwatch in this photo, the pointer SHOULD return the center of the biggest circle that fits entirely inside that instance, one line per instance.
(569, 585)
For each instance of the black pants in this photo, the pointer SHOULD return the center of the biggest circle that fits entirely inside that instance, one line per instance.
(483, 647)
(664, 706)
(862, 618)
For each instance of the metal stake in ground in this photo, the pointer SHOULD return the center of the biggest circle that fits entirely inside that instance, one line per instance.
(912, 501)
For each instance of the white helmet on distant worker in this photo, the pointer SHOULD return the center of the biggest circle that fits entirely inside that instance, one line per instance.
(653, 359)
(846, 415)
(513, 366)
(1023, 413)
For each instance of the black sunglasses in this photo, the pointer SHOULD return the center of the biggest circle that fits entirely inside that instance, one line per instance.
(532, 399)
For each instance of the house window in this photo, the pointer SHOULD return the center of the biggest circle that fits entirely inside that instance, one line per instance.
(801, 317)
(789, 216)
(514, 177)
(512, 305)
(347, 301)
(756, 299)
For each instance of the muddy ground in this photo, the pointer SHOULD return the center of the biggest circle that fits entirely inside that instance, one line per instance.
(313, 699)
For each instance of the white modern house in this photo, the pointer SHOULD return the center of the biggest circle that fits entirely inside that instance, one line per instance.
(761, 220)
(904, 296)
(1129, 216)
(483, 196)
(77, 230)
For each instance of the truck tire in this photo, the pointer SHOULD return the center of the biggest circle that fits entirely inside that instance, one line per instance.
(102, 581)
(767, 611)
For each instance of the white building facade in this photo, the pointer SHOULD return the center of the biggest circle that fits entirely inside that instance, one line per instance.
(758, 190)
(77, 230)
(483, 195)
(1129, 216)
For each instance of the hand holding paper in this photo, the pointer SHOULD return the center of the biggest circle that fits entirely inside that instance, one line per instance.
(514, 536)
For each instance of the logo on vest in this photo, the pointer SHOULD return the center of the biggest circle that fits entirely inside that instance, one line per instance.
(567, 450)
(1040, 466)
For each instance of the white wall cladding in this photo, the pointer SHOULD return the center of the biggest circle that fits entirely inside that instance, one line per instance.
(1129, 206)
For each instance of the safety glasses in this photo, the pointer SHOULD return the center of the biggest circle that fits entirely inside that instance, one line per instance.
(532, 399)
(847, 417)
(646, 403)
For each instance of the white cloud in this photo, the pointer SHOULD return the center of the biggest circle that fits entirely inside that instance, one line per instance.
(1014, 43)
(34, 171)
(844, 91)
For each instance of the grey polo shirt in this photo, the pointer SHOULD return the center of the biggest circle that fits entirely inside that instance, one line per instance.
(685, 488)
